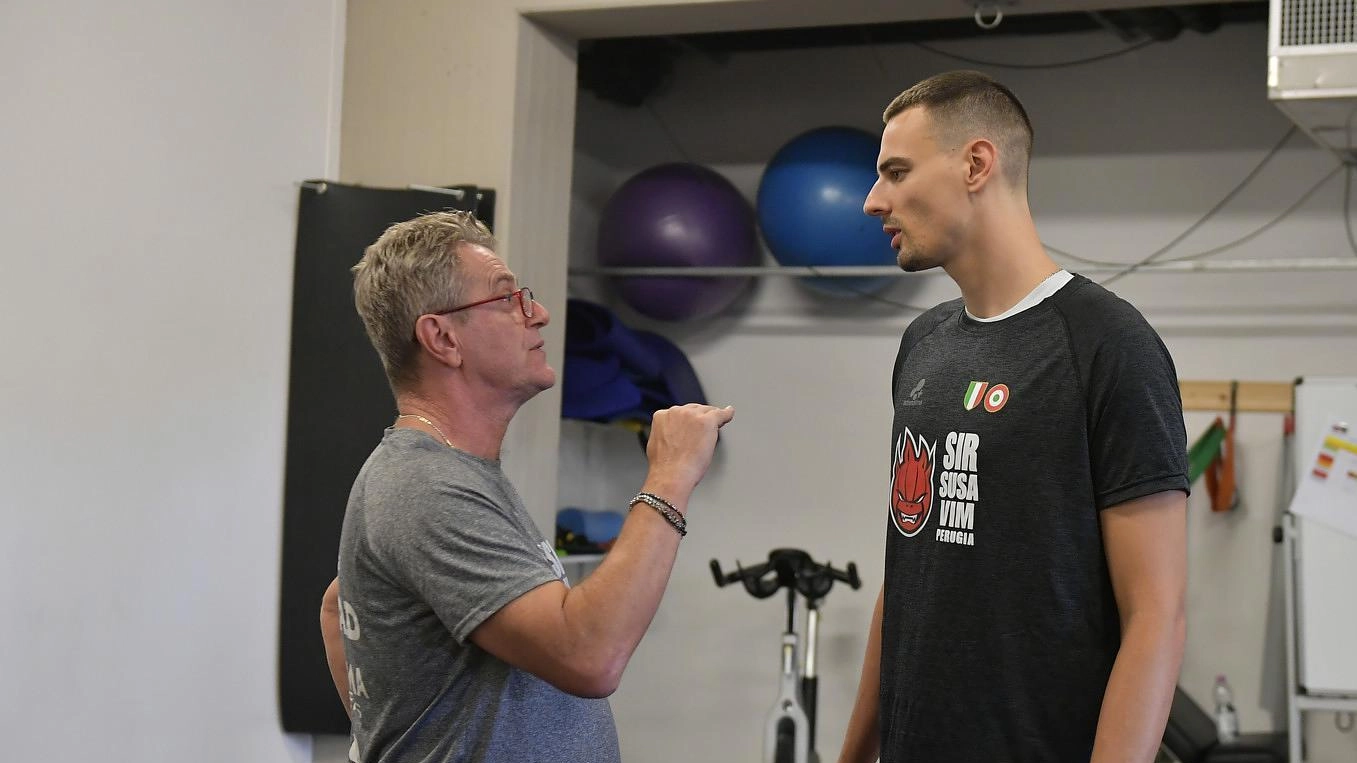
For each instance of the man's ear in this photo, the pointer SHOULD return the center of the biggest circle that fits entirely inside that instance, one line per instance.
(982, 163)
(437, 336)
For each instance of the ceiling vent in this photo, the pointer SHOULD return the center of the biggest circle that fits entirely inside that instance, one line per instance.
(1312, 69)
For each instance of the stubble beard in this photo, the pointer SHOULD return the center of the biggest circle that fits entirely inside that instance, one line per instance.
(913, 261)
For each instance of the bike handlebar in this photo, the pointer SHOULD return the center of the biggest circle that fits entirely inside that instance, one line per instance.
(787, 568)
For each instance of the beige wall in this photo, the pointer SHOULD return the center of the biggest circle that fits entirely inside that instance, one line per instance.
(432, 91)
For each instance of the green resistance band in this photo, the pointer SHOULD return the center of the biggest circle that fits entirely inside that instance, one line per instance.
(1204, 450)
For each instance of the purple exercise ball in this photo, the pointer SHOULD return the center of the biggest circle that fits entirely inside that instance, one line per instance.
(678, 215)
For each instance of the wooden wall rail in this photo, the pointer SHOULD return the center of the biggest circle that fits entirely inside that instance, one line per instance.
(1262, 397)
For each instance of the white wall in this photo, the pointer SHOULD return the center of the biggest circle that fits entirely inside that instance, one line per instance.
(149, 150)
(1130, 151)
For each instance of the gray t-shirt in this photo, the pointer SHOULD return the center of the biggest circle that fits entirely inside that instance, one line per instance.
(435, 541)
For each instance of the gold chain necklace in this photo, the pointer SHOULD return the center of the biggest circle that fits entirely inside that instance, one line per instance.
(426, 421)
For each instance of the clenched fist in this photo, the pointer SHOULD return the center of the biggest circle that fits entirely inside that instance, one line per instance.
(680, 447)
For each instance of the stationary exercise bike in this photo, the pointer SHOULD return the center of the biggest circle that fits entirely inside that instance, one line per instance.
(789, 734)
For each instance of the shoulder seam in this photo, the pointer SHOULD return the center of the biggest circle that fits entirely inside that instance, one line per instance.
(900, 361)
(935, 327)
(1073, 357)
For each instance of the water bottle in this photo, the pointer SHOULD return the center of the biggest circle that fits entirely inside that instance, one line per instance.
(1227, 721)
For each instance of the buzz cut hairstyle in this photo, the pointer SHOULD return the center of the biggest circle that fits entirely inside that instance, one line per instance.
(963, 105)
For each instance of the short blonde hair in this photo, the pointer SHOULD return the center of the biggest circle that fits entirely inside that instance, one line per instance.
(413, 269)
(962, 105)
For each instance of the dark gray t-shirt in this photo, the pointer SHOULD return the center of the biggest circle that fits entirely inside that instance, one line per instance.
(435, 541)
(999, 625)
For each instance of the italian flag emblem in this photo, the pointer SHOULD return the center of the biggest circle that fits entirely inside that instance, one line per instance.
(974, 393)
(994, 398)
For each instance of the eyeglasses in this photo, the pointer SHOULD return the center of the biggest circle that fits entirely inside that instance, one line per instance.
(525, 302)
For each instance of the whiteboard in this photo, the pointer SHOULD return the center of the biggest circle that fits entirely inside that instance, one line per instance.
(1326, 563)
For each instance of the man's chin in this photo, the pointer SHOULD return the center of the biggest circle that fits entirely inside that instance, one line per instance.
(536, 387)
(912, 263)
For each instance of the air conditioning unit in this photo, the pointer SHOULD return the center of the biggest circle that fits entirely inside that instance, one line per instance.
(1312, 69)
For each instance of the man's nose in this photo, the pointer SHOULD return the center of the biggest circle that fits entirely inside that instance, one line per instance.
(873, 206)
(541, 316)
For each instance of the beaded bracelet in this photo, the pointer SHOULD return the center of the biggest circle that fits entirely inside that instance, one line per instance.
(666, 510)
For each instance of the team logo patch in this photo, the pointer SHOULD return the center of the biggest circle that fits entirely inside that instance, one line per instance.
(911, 499)
(993, 398)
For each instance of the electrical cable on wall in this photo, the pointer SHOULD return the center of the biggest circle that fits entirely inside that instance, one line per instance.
(668, 133)
(1347, 183)
(1240, 186)
(1347, 210)
(1253, 173)
(876, 54)
(1052, 65)
(1241, 240)
(1297, 204)
(1222, 247)
(1216, 250)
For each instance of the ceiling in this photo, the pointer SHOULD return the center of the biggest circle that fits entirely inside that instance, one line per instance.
(576, 20)
(628, 70)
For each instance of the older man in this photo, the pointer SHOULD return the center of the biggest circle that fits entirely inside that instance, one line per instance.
(464, 640)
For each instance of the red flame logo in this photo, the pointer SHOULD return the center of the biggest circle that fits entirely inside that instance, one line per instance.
(912, 483)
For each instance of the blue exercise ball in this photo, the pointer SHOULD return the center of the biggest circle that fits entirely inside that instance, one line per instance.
(678, 214)
(810, 207)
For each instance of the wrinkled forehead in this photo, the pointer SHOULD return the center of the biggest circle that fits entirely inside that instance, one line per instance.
(482, 267)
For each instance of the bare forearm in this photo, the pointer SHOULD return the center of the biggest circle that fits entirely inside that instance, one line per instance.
(1140, 690)
(334, 642)
(611, 609)
(580, 639)
(862, 740)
